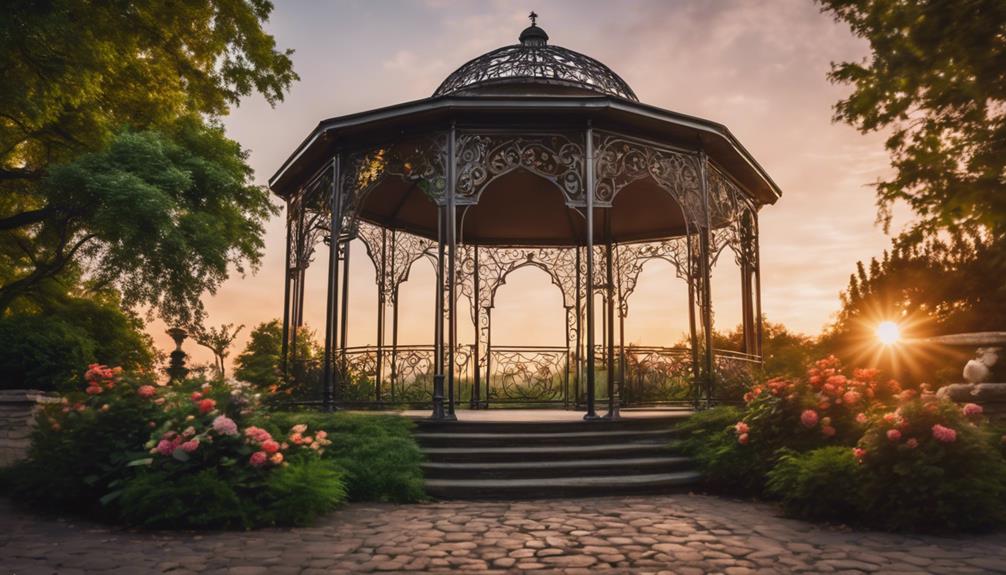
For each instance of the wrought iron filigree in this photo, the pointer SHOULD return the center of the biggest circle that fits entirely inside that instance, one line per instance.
(655, 375)
(535, 63)
(530, 375)
(620, 161)
(421, 161)
(484, 157)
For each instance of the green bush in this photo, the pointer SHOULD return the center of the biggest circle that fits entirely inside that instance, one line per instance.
(825, 483)
(200, 500)
(710, 439)
(43, 353)
(377, 453)
(929, 478)
(303, 491)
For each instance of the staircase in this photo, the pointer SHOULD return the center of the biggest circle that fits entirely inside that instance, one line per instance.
(525, 460)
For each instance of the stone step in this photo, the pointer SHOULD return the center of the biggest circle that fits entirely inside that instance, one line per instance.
(521, 438)
(573, 468)
(553, 487)
(424, 425)
(546, 453)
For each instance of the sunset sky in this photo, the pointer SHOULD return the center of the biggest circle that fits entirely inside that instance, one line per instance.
(757, 67)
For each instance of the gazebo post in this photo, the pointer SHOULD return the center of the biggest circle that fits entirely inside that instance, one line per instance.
(298, 284)
(438, 325)
(589, 193)
(331, 315)
(452, 240)
(757, 286)
(381, 303)
(706, 264)
(693, 330)
(613, 403)
(344, 320)
(394, 314)
(286, 298)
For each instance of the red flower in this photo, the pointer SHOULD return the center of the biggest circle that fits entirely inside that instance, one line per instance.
(270, 446)
(207, 405)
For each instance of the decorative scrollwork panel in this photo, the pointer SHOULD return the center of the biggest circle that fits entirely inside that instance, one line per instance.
(559, 158)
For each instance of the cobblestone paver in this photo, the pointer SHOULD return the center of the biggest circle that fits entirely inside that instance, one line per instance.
(682, 534)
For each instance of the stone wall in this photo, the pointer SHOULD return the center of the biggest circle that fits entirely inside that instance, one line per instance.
(17, 418)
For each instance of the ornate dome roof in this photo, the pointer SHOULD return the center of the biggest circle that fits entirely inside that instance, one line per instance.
(533, 62)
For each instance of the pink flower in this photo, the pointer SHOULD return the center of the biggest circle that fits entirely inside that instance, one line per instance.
(93, 389)
(740, 427)
(827, 431)
(269, 446)
(165, 447)
(944, 434)
(893, 435)
(207, 405)
(190, 445)
(808, 418)
(225, 425)
(299, 428)
(146, 391)
(861, 418)
(258, 459)
(196, 396)
(972, 409)
(912, 443)
(858, 453)
(851, 397)
(276, 458)
(743, 439)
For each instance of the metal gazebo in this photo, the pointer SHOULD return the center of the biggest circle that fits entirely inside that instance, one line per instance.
(529, 155)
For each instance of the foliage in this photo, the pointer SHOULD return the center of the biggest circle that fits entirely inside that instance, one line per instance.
(300, 494)
(935, 78)
(112, 164)
(784, 353)
(933, 288)
(81, 449)
(217, 340)
(709, 438)
(380, 458)
(161, 501)
(44, 353)
(160, 214)
(930, 466)
(259, 363)
(824, 483)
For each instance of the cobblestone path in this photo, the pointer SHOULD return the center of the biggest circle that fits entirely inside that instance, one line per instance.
(662, 534)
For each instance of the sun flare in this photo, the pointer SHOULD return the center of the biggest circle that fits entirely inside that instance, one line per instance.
(888, 332)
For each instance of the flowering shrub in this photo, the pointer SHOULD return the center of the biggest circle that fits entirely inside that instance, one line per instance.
(857, 447)
(173, 456)
(931, 464)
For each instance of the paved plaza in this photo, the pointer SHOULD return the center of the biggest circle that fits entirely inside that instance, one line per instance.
(686, 534)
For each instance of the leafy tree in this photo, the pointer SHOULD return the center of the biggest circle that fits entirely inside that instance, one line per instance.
(784, 352)
(259, 363)
(937, 287)
(217, 340)
(111, 160)
(936, 78)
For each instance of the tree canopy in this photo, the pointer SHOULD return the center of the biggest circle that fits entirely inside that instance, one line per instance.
(936, 78)
(112, 164)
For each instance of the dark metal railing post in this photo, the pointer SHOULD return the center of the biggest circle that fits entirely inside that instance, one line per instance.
(473, 403)
(613, 406)
(381, 303)
(707, 307)
(452, 279)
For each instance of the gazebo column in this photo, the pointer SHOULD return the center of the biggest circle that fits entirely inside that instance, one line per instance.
(609, 260)
(382, 278)
(452, 241)
(747, 287)
(757, 288)
(705, 257)
(331, 308)
(693, 330)
(286, 298)
(394, 313)
(589, 193)
(438, 325)
(344, 320)
(578, 372)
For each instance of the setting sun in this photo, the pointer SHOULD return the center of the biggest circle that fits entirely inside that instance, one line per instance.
(888, 332)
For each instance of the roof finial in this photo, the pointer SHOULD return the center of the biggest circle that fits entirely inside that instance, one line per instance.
(533, 17)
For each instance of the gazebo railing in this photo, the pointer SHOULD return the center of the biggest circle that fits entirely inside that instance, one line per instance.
(649, 376)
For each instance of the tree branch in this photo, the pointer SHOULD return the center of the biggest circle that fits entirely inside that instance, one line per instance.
(27, 218)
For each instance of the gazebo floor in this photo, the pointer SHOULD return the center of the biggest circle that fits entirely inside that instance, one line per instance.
(545, 415)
